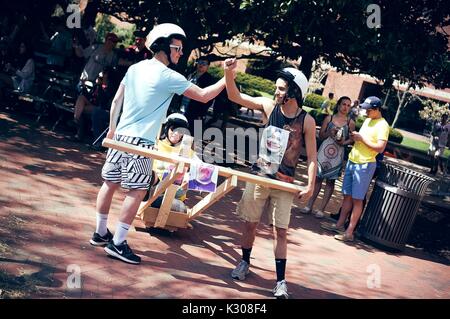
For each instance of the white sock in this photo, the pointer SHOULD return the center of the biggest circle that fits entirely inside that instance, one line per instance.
(102, 221)
(121, 233)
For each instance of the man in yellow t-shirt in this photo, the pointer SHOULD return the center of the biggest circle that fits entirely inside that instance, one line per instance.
(369, 141)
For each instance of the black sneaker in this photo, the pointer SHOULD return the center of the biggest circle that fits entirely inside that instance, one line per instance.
(98, 240)
(123, 252)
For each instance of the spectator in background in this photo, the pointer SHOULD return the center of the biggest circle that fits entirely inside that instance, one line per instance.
(20, 74)
(100, 56)
(439, 139)
(96, 104)
(138, 51)
(100, 112)
(354, 111)
(221, 111)
(19, 30)
(5, 57)
(195, 110)
(134, 53)
(335, 134)
(90, 34)
(326, 106)
(60, 43)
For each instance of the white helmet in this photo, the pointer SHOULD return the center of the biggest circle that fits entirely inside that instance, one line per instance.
(164, 30)
(297, 77)
(175, 121)
(176, 117)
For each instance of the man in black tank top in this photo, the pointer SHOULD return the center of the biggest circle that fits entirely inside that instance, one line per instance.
(286, 118)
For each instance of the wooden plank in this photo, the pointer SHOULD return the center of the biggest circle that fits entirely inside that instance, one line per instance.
(211, 198)
(176, 219)
(164, 184)
(168, 181)
(167, 201)
(164, 210)
(223, 171)
(186, 146)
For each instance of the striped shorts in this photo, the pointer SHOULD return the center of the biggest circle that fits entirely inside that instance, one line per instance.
(132, 171)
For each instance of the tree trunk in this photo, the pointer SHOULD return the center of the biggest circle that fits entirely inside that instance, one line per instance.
(386, 97)
(401, 105)
(306, 64)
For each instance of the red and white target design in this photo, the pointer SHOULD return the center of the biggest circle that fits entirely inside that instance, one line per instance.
(331, 151)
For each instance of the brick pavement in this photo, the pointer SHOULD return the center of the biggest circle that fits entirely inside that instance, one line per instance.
(47, 216)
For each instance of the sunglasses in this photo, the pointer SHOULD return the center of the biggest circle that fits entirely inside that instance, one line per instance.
(178, 48)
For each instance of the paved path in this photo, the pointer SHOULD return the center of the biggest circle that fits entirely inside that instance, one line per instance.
(414, 136)
(47, 217)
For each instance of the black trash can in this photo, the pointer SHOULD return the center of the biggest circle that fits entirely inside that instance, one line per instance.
(393, 205)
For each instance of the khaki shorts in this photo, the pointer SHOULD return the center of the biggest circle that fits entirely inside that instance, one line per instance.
(256, 199)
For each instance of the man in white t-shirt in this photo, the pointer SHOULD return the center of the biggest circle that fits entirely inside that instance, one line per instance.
(145, 93)
(439, 139)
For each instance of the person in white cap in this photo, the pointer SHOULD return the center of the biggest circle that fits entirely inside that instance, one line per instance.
(285, 112)
(143, 96)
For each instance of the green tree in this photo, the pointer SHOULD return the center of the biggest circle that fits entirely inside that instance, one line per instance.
(409, 47)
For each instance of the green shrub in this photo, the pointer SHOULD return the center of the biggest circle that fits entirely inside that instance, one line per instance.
(395, 136)
(249, 83)
(255, 82)
(359, 122)
(265, 68)
(318, 116)
(216, 72)
(314, 100)
(250, 92)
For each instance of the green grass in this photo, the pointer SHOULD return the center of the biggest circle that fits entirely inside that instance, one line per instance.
(265, 94)
(307, 108)
(415, 144)
(420, 145)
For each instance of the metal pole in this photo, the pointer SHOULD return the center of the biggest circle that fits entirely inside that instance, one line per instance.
(101, 136)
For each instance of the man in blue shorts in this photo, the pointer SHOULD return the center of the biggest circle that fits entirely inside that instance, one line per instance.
(369, 141)
(145, 93)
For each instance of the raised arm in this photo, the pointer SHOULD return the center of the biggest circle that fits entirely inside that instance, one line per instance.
(255, 103)
(206, 94)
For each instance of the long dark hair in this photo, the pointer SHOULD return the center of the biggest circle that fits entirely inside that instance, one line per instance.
(23, 58)
(338, 103)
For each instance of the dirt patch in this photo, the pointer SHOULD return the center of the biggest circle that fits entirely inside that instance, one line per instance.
(17, 287)
(431, 232)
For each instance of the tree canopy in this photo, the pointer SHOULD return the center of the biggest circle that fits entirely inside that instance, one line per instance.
(410, 44)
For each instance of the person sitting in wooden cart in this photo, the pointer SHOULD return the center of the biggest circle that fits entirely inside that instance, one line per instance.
(172, 132)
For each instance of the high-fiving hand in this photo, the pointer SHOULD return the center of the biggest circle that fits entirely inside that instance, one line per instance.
(230, 64)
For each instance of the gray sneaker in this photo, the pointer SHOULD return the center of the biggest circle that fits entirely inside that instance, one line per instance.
(280, 291)
(240, 271)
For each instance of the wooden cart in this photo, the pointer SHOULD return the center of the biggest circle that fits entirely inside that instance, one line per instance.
(163, 217)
